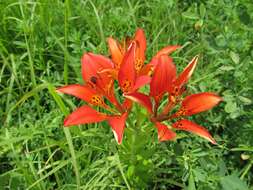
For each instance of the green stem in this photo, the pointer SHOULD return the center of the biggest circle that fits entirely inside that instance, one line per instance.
(246, 169)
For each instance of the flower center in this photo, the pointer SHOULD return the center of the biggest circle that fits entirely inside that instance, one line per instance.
(126, 85)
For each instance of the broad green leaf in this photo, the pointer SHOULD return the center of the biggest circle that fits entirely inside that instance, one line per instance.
(202, 10)
(235, 57)
(200, 175)
(190, 15)
(220, 41)
(245, 100)
(226, 68)
(130, 171)
(230, 107)
(191, 184)
(233, 182)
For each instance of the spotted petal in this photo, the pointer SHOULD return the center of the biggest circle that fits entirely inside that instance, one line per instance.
(127, 73)
(140, 49)
(93, 67)
(92, 64)
(189, 126)
(197, 103)
(85, 93)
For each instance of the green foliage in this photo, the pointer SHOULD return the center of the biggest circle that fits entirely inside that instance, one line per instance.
(41, 43)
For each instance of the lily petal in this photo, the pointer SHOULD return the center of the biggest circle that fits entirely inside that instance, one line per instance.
(93, 63)
(115, 51)
(140, 49)
(164, 74)
(142, 99)
(140, 37)
(197, 103)
(118, 125)
(93, 67)
(167, 50)
(84, 115)
(127, 74)
(164, 133)
(85, 93)
(141, 81)
(187, 73)
(189, 126)
(149, 68)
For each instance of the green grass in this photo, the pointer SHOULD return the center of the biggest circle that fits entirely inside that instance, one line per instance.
(41, 43)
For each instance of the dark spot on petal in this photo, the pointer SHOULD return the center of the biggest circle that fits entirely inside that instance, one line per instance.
(93, 79)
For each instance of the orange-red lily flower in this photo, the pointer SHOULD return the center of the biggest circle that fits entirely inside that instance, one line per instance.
(165, 81)
(99, 85)
(127, 67)
(118, 50)
(99, 74)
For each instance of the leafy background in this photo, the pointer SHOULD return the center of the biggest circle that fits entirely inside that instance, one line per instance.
(41, 43)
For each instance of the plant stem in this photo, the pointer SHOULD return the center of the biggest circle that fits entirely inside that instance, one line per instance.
(247, 169)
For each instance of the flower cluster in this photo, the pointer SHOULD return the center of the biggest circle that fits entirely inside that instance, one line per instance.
(126, 69)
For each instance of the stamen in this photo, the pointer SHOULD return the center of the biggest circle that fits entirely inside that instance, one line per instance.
(150, 73)
(126, 85)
